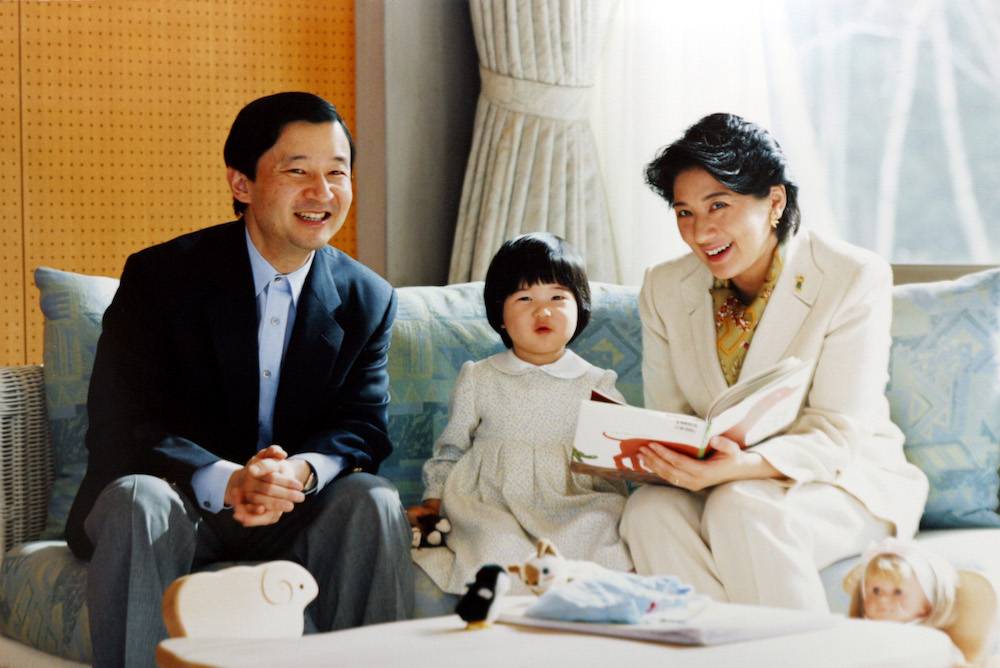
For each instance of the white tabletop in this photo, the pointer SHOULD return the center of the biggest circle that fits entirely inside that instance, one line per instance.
(443, 642)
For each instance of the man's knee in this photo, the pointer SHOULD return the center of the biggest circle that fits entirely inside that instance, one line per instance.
(362, 499)
(133, 491)
(367, 493)
(143, 498)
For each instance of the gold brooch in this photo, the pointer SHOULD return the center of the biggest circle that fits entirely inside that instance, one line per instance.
(799, 281)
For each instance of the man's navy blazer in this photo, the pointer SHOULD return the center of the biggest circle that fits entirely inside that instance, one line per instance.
(175, 382)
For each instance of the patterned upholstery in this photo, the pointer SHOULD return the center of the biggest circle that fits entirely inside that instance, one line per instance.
(73, 305)
(43, 599)
(944, 390)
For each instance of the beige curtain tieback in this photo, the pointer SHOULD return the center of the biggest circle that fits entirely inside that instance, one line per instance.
(564, 103)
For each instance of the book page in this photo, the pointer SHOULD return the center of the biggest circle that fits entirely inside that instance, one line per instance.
(773, 406)
(608, 437)
(748, 386)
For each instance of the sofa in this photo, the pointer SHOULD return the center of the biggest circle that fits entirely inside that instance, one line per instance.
(944, 389)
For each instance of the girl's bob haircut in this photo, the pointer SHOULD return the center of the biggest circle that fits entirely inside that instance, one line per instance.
(530, 259)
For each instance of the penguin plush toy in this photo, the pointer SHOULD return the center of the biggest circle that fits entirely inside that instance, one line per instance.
(480, 605)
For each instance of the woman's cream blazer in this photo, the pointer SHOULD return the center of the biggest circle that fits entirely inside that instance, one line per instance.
(832, 304)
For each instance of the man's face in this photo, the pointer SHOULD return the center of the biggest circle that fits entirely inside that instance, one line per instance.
(301, 195)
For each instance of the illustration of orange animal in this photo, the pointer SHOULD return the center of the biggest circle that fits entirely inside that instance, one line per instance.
(629, 450)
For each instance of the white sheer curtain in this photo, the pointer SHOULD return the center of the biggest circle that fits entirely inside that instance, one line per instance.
(533, 164)
(887, 111)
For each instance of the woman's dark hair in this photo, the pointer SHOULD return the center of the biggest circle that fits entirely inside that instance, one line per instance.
(537, 257)
(741, 155)
(259, 125)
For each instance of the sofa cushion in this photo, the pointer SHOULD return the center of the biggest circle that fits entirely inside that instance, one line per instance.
(73, 305)
(439, 328)
(43, 600)
(613, 339)
(945, 395)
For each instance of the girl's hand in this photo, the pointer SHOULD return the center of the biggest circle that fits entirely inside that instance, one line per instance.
(428, 507)
(729, 462)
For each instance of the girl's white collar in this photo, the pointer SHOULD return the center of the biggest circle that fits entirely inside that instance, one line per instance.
(570, 365)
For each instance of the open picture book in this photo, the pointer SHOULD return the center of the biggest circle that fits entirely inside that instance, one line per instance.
(609, 434)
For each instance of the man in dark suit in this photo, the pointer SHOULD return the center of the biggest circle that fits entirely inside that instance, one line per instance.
(238, 400)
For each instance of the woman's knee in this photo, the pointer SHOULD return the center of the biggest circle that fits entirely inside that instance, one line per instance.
(733, 501)
(745, 492)
(652, 505)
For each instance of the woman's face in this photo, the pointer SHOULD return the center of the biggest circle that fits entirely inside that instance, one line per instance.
(729, 232)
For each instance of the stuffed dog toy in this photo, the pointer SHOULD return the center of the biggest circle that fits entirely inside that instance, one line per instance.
(547, 568)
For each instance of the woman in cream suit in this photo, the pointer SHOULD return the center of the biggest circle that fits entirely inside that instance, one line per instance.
(755, 526)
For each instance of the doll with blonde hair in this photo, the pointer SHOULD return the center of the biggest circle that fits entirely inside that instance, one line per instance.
(900, 581)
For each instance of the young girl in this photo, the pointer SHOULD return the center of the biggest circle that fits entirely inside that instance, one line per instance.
(500, 469)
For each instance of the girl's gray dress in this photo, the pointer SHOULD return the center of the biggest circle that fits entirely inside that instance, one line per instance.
(501, 470)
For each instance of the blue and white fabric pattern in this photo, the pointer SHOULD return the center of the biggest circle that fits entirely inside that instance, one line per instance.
(619, 598)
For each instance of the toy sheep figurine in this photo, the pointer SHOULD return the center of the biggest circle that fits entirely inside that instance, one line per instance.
(546, 568)
(900, 581)
(270, 599)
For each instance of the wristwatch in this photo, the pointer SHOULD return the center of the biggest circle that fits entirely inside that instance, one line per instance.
(310, 485)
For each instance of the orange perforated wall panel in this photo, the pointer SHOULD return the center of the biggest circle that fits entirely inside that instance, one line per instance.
(11, 246)
(113, 117)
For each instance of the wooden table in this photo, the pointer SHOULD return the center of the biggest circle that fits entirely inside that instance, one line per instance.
(443, 642)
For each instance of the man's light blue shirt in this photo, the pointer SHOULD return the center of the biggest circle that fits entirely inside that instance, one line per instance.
(277, 297)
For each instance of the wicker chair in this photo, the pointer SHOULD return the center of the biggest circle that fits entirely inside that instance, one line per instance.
(25, 455)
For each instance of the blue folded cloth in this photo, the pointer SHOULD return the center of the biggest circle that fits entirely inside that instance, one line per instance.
(618, 598)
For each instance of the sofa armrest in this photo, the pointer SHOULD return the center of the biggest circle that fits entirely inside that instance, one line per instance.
(926, 273)
(26, 467)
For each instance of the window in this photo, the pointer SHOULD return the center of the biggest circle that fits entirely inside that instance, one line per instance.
(888, 111)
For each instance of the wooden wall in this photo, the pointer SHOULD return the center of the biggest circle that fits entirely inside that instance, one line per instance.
(112, 118)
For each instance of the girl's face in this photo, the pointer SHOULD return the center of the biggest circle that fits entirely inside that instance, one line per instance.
(894, 599)
(729, 232)
(540, 320)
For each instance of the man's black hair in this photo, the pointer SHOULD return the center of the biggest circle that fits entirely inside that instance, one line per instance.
(260, 123)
